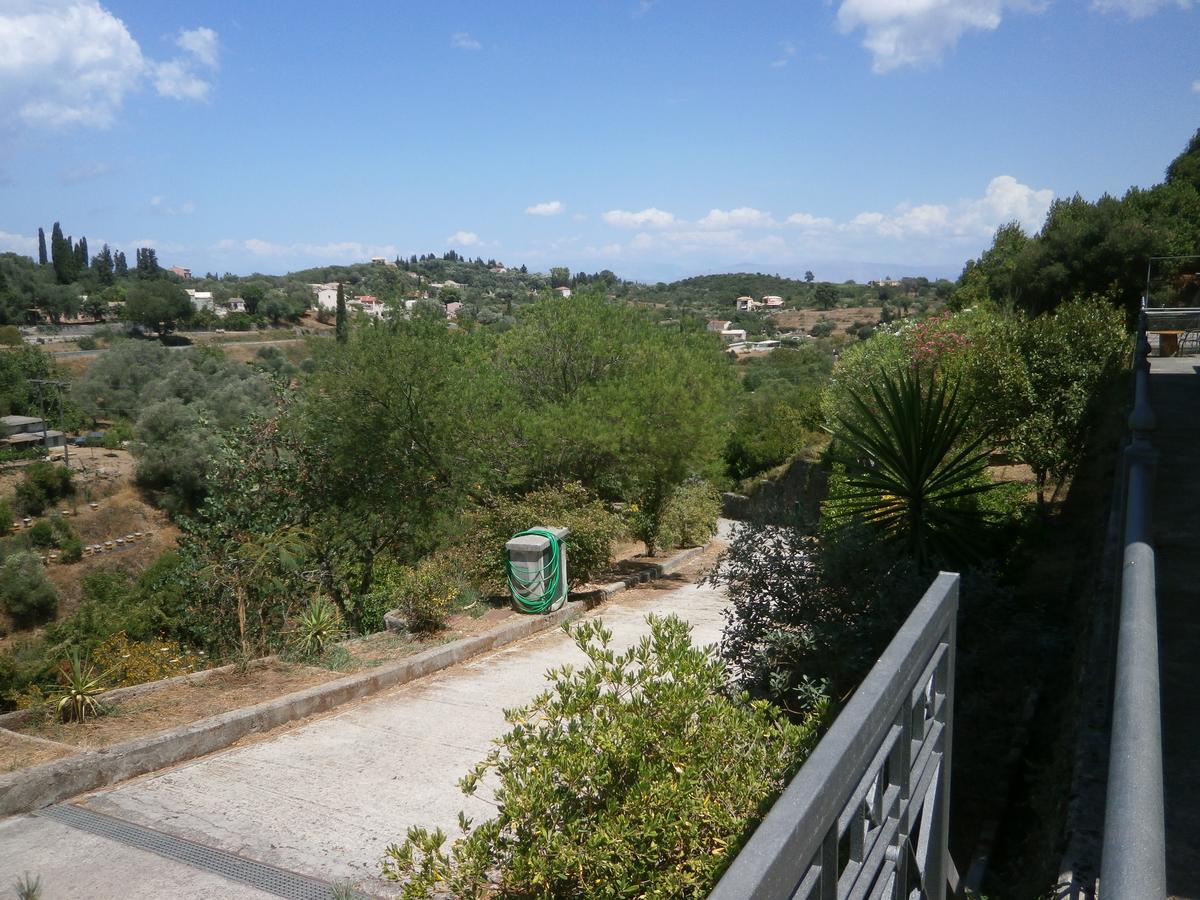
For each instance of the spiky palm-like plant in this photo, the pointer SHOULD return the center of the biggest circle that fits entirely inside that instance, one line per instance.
(80, 688)
(915, 468)
(318, 627)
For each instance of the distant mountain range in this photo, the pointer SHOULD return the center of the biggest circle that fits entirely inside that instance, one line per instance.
(835, 271)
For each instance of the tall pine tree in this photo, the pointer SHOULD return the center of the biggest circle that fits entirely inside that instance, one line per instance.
(120, 266)
(102, 265)
(81, 256)
(42, 258)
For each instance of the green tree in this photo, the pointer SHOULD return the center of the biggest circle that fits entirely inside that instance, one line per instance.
(42, 258)
(809, 277)
(120, 266)
(25, 591)
(826, 295)
(341, 327)
(158, 304)
(102, 265)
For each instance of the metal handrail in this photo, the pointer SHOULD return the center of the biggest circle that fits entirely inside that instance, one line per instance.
(1133, 861)
(868, 812)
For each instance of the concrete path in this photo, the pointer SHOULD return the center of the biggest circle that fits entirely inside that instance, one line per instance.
(1175, 396)
(326, 799)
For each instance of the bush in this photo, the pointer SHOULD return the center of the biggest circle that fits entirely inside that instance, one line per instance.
(422, 594)
(690, 516)
(633, 776)
(71, 550)
(42, 484)
(136, 662)
(87, 343)
(41, 535)
(27, 595)
(479, 553)
(808, 616)
(10, 336)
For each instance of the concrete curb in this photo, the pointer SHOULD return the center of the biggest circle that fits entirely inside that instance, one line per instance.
(650, 573)
(86, 770)
(42, 785)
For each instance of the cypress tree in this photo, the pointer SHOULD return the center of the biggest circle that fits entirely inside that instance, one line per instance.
(340, 329)
(120, 266)
(42, 258)
(60, 255)
(102, 265)
(81, 255)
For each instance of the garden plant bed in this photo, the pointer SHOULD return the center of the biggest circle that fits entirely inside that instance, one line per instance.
(178, 704)
(17, 751)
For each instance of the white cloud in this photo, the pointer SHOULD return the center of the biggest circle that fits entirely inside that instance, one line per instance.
(916, 32)
(17, 243)
(463, 239)
(549, 208)
(787, 49)
(1004, 200)
(650, 217)
(200, 43)
(72, 62)
(84, 172)
(462, 40)
(742, 217)
(352, 251)
(1137, 9)
(176, 80)
(66, 63)
(809, 222)
(158, 205)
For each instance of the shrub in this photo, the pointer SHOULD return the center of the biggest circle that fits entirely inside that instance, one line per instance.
(10, 336)
(41, 485)
(130, 662)
(479, 553)
(87, 343)
(80, 686)
(649, 776)
(41, 535)
(808, 616)
(422, 594)
(690, 517)
(71, 550)
(25, 591)
(317, 627)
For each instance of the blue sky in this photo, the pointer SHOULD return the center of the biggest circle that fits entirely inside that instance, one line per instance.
(657, 139)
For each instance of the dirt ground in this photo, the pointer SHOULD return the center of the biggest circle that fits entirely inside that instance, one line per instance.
(17, 752)
(179, 704)
(806, 318)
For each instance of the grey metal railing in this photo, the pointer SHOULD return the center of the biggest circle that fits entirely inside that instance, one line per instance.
(867, 816)
(1133, 860)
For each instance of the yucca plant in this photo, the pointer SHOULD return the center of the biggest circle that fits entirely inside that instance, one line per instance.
(916, 466)
(318, 627)
(28, 888)
(76, 698)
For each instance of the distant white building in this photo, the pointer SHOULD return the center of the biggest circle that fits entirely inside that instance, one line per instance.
(201, 299)
(236, 304)
(372, 306)
(718, 325)
(772, 302)
(325, 295)
(746, 304)
(730, 335)
(563, 291)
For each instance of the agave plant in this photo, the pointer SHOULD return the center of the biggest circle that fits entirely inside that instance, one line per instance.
(916, 466)
(318, 626)
(80, 687)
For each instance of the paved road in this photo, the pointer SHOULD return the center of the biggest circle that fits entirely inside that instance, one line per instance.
(326, 799)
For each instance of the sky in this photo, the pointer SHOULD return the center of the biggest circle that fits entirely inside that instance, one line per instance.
(655, 138)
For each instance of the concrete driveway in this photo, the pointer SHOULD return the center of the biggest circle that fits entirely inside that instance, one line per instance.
(326, 798)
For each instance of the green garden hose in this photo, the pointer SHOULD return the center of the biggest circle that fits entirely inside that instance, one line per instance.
(550, 573)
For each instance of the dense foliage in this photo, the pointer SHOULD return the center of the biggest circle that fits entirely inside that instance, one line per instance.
(632, 776)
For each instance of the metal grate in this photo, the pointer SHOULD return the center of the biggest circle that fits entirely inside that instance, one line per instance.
(270, 879)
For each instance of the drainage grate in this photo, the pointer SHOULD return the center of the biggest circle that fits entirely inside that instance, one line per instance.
(259, 875)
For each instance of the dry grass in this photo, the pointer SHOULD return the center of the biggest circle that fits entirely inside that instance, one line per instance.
(806, 318)
(17, 752)
(180, 704)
